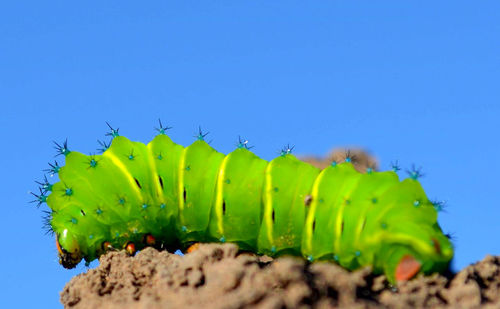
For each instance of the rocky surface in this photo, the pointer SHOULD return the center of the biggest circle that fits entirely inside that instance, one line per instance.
(218, 276)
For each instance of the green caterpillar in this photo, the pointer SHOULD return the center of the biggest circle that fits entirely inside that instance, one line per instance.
(164, 195)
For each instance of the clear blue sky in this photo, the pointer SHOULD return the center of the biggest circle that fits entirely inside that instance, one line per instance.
(416, 81)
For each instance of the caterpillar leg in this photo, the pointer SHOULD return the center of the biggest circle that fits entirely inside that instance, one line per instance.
(130, 248)
(70, 257)
(107, 246)
(149, 240)
(193, 247)
(407, 268)
(400, 263)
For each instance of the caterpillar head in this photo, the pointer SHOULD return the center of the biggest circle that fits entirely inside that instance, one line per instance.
(68, 250)
(403, 261)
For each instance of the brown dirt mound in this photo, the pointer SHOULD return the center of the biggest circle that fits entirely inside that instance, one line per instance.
(360, 159)
(218, 276)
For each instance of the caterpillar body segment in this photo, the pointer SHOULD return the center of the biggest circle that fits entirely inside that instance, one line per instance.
(167, 156)
(237, 209)
(198, 168)
(163, 194)
(284, 205)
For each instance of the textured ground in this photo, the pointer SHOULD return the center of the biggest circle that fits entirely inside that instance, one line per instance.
(217, 276)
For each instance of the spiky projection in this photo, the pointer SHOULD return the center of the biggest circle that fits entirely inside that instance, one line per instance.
(164, 195)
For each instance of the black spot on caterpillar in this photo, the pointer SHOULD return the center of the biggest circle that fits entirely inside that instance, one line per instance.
(162, 194)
